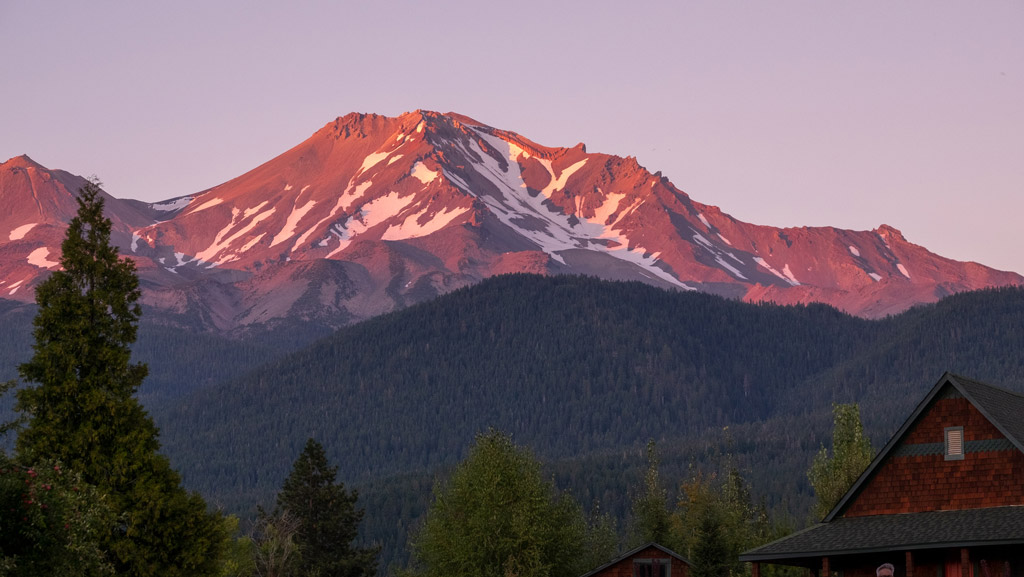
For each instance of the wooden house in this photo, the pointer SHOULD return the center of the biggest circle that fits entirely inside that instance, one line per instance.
(650, 560)
(943, 498)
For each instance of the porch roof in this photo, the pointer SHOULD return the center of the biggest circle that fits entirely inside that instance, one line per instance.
(906, 532)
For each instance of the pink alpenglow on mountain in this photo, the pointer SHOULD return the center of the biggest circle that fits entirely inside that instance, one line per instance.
(374, 213)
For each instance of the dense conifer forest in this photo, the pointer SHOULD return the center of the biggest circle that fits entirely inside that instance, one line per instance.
(583, 371)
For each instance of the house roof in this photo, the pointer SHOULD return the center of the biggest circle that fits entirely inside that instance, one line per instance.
(837, 535)
(1003, 408)
(633, 552)
(910, 531)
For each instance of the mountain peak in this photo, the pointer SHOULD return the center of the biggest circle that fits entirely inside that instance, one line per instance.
(890, 233)
(396, 210)
(22, 161)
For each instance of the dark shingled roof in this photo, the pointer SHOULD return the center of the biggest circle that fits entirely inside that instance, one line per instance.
(1004, 408)
(932, 529)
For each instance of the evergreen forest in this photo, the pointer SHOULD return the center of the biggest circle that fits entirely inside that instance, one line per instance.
(583, 372)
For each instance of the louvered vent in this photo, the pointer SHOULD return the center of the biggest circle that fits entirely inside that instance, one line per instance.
(954, 443)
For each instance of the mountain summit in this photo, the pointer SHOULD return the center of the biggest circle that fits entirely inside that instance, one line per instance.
(372, 213)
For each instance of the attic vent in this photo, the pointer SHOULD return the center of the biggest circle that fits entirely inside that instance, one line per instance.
(954, 443)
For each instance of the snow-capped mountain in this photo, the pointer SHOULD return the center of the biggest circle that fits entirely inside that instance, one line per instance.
(372, 213)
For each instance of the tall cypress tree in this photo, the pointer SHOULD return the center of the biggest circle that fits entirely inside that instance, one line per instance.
(328, 518)
(82, 411)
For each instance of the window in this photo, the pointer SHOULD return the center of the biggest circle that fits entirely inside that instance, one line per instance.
(954, 443)
(652, 567)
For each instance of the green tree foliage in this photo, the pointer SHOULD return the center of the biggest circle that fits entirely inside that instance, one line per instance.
(238, 559)
(651, 521)
(497, 516)
(712, 553)
(601, 543)
(82, 411)
(717, 520)
(832, 476)
(51, 522)
(328, 520)
(275, 552)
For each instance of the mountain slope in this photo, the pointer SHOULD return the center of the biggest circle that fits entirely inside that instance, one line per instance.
(411, 207)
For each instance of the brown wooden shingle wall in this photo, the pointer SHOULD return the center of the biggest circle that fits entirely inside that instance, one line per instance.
(909, 483)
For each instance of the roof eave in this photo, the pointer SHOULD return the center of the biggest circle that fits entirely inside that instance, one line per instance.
(751, 558)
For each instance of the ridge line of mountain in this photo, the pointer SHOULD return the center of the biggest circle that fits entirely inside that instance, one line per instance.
(372, 213)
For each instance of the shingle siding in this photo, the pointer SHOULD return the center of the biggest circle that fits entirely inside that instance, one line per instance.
(912, 483)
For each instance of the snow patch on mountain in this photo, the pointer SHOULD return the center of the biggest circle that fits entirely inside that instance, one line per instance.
(255, 209)
(292, 223)
(789, 275)
(556, 184)
(854, 251)
(877, 277)
(38, 258)
(212, 202)
(700, 215)
(353, 193)
(20, 232)
(535, 218)
(369, 215)
(903, 270)
(371, 161)
(411, 227)
(220, 244)
(735, 271)
(251, 243)
(422, 173)
(172, 205)
(719, 255)
(764, 264)
(338, 207)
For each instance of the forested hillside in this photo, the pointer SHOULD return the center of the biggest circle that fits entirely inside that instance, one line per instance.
(584, 372)
(180, 358)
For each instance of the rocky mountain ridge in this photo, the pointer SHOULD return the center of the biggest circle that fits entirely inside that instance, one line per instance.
(373, 213)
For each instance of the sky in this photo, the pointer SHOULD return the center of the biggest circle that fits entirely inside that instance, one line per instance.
(782, 113)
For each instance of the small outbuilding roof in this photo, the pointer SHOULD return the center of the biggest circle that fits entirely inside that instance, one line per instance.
(633, 552)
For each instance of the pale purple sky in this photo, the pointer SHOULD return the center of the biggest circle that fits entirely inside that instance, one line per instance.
(781, 113)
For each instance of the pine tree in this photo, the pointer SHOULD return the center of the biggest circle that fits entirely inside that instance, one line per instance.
(711, 554)
(328, 520)
(82, 411)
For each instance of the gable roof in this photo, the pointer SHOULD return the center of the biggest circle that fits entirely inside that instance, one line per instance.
(908, 531)
(1003, 408)
(629, 554)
